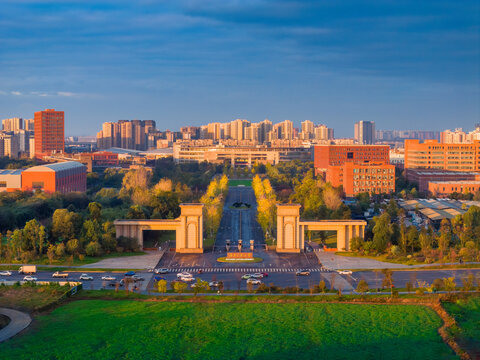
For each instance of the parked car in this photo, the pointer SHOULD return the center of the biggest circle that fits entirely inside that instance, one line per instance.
(184, 274)
(213, 284)
(254, 281)
(303, 273)
(29, 278)
(86, 277)
(161, 271)
(246, 276)
(109, 277)
(130, 273)
(345, 272)
(58, 274)
(5, 273)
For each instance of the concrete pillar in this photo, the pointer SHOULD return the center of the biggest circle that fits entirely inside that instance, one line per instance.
(140, 236)
(341, 237)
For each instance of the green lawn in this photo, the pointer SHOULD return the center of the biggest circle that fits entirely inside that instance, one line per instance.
(245, 182)
(126, 329)
(467, 315)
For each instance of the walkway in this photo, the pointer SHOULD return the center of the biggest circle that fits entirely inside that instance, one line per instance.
(19, 321)
(148, 261)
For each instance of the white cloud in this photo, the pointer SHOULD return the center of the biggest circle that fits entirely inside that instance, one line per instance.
(16, 93)
(66, 93)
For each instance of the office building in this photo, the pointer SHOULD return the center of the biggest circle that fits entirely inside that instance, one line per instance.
(422, 177)
(365, 132)
(49, 132)
(356, 178)
(335, 155)
(29, 125)
(447, 188)
(434, 155)
(237, 156)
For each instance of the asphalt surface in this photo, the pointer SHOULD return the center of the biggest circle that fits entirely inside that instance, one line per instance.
(96, 284)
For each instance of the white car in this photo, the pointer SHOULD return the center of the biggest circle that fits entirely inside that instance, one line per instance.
(254, 281)
(257, 276)
(184, 274)
(187, 278)
(29, 278)
(344, 272)
(6, 273)
(109, 278)
(161, 271)
(86, 277)
(213, 284)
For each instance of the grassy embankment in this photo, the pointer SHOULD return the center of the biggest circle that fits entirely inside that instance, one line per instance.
(467, 316)
(186, 330)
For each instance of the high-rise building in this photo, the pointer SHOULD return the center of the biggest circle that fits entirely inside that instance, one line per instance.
(365, 132)
(12, 124)
(322, 132)
(29, 124)
(49, 132)
(265, 127)
(214, 131)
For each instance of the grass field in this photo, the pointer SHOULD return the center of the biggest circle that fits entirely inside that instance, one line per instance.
(29, 298)
(467, 315)
(234, 182)
(125, 329)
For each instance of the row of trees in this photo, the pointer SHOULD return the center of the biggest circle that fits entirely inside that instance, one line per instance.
(319, 200)
(266, 204)
(456, 238)
(213, 199)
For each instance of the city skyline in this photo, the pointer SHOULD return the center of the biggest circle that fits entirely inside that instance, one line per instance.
(188, 63)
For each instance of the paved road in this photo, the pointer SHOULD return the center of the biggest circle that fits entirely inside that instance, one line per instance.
(96, 284)
(18, 321)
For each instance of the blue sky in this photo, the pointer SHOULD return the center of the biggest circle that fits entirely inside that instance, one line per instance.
(403, 64)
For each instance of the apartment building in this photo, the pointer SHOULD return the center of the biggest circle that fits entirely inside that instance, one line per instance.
(49, 132)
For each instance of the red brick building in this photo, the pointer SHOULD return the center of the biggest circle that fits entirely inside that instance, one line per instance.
(356, 178)
(99, 159)
(446, 188)
(423, 176)
(440, 156)
(49, 128)
(63, 177)
(337, 155)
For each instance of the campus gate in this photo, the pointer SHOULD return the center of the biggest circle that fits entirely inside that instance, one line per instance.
(291, 229)
(188, 228)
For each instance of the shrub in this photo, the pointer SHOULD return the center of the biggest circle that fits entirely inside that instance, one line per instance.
(438, 284)
(93, 249)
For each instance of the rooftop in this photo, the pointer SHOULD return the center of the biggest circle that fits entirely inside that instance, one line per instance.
(57, 166)
(457, 182)
(11, 171)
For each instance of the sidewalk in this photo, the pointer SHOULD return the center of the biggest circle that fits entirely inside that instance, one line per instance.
(18, 322)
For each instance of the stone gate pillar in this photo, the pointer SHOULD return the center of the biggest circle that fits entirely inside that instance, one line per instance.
(190, 231)
(288, 228)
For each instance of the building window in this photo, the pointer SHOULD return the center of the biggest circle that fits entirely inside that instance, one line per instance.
(37, 184)
(3, 184)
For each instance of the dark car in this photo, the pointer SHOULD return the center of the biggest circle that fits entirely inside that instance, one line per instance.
(158, 278)
(302, 273)
(130, 273)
